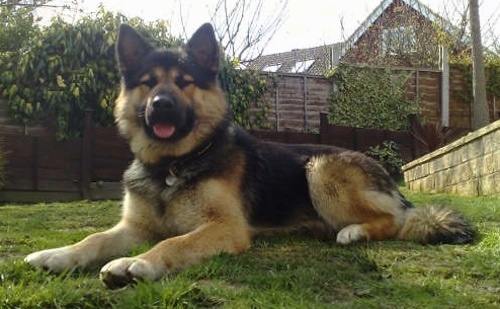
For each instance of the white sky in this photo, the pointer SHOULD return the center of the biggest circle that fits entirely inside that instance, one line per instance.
(308, 23)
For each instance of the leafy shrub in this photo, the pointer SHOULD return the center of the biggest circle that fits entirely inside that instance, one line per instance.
(18, 25)
(244, 90)
(388, 155)
(370, 98)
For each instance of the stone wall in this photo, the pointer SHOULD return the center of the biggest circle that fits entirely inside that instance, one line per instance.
(469, 166)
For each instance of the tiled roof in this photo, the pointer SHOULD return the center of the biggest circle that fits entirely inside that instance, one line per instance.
(311, 61)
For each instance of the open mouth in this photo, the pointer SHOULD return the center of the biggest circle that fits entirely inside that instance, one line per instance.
(164, 130)
(169, 127)
(166, 119)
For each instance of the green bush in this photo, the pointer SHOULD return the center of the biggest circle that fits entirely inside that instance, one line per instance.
(245, 90)
(388, 155)
(18, 25)
(370, 98)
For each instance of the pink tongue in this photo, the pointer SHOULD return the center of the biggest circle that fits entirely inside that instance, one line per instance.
(163, 130)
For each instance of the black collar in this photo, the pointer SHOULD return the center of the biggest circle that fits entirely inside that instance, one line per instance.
(178, 163)
(175, 165)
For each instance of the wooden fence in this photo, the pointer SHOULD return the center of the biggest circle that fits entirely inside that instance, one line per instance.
(41, 169)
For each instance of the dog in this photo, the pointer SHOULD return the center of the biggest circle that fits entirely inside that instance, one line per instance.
(200, 185)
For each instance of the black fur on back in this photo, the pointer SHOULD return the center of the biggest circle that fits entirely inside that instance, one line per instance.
(275, 181)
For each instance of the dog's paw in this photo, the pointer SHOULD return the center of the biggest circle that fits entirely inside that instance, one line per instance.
(350, 234)
(56, 260)
(120, 272)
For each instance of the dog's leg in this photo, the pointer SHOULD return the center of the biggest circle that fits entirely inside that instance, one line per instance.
(101, 247)
(380, 227)
(347, 194)
(95, 248)
(224, 229)
(176, 253)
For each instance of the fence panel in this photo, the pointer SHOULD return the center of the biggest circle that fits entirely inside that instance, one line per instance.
(76, 168)
(39, 163)
(111, 155)
(366, 138)
(19, 169)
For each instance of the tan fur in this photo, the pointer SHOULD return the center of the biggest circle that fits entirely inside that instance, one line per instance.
(212, 225)
(345, 195)
(207, 220)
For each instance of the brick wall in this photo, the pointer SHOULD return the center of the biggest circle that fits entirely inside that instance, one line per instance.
(468, 166)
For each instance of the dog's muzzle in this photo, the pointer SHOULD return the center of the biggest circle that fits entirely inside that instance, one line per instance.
(163, 116)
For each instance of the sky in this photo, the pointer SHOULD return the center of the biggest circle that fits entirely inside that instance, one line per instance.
(307, 23)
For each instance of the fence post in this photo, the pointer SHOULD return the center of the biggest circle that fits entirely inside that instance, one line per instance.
(355, 144)
(323, 128)
(277, 106)
(34, 162)
(304, 99)
(86, 155)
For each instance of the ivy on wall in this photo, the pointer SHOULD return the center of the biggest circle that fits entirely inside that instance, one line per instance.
(370, 98)
(59, 71)
(492, 71)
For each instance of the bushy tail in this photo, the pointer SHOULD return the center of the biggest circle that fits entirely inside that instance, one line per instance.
(434, 224)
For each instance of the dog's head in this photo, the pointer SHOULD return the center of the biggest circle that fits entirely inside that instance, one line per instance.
(170, 102)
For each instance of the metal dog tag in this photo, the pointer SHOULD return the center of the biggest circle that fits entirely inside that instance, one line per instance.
(170, 180)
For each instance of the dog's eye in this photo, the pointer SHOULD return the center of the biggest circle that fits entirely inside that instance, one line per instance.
(150, 82)
(182, 82)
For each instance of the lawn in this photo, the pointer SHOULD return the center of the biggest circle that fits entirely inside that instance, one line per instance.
(278, 272)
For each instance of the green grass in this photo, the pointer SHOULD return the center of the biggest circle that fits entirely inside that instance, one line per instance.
(278, 272)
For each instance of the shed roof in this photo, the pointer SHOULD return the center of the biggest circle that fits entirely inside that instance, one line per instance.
(311, 61)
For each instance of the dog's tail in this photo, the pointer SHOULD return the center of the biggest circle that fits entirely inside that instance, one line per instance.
(434, 224)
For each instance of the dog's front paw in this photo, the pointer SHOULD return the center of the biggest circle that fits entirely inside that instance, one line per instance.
(120, 272)
(56, 260)
(350, 234)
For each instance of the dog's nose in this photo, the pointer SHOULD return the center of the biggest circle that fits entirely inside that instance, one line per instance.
(163, 102)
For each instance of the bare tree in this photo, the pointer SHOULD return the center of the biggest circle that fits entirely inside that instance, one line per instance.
(243, 27)
(480, 114)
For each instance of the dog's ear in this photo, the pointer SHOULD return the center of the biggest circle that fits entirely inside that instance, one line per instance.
(204, 48)
(130, 48)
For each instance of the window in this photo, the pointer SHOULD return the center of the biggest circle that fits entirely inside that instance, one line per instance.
(301, 66)
(272, 68)
(398, 41)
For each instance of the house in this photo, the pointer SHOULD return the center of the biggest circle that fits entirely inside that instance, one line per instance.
(403, 33)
